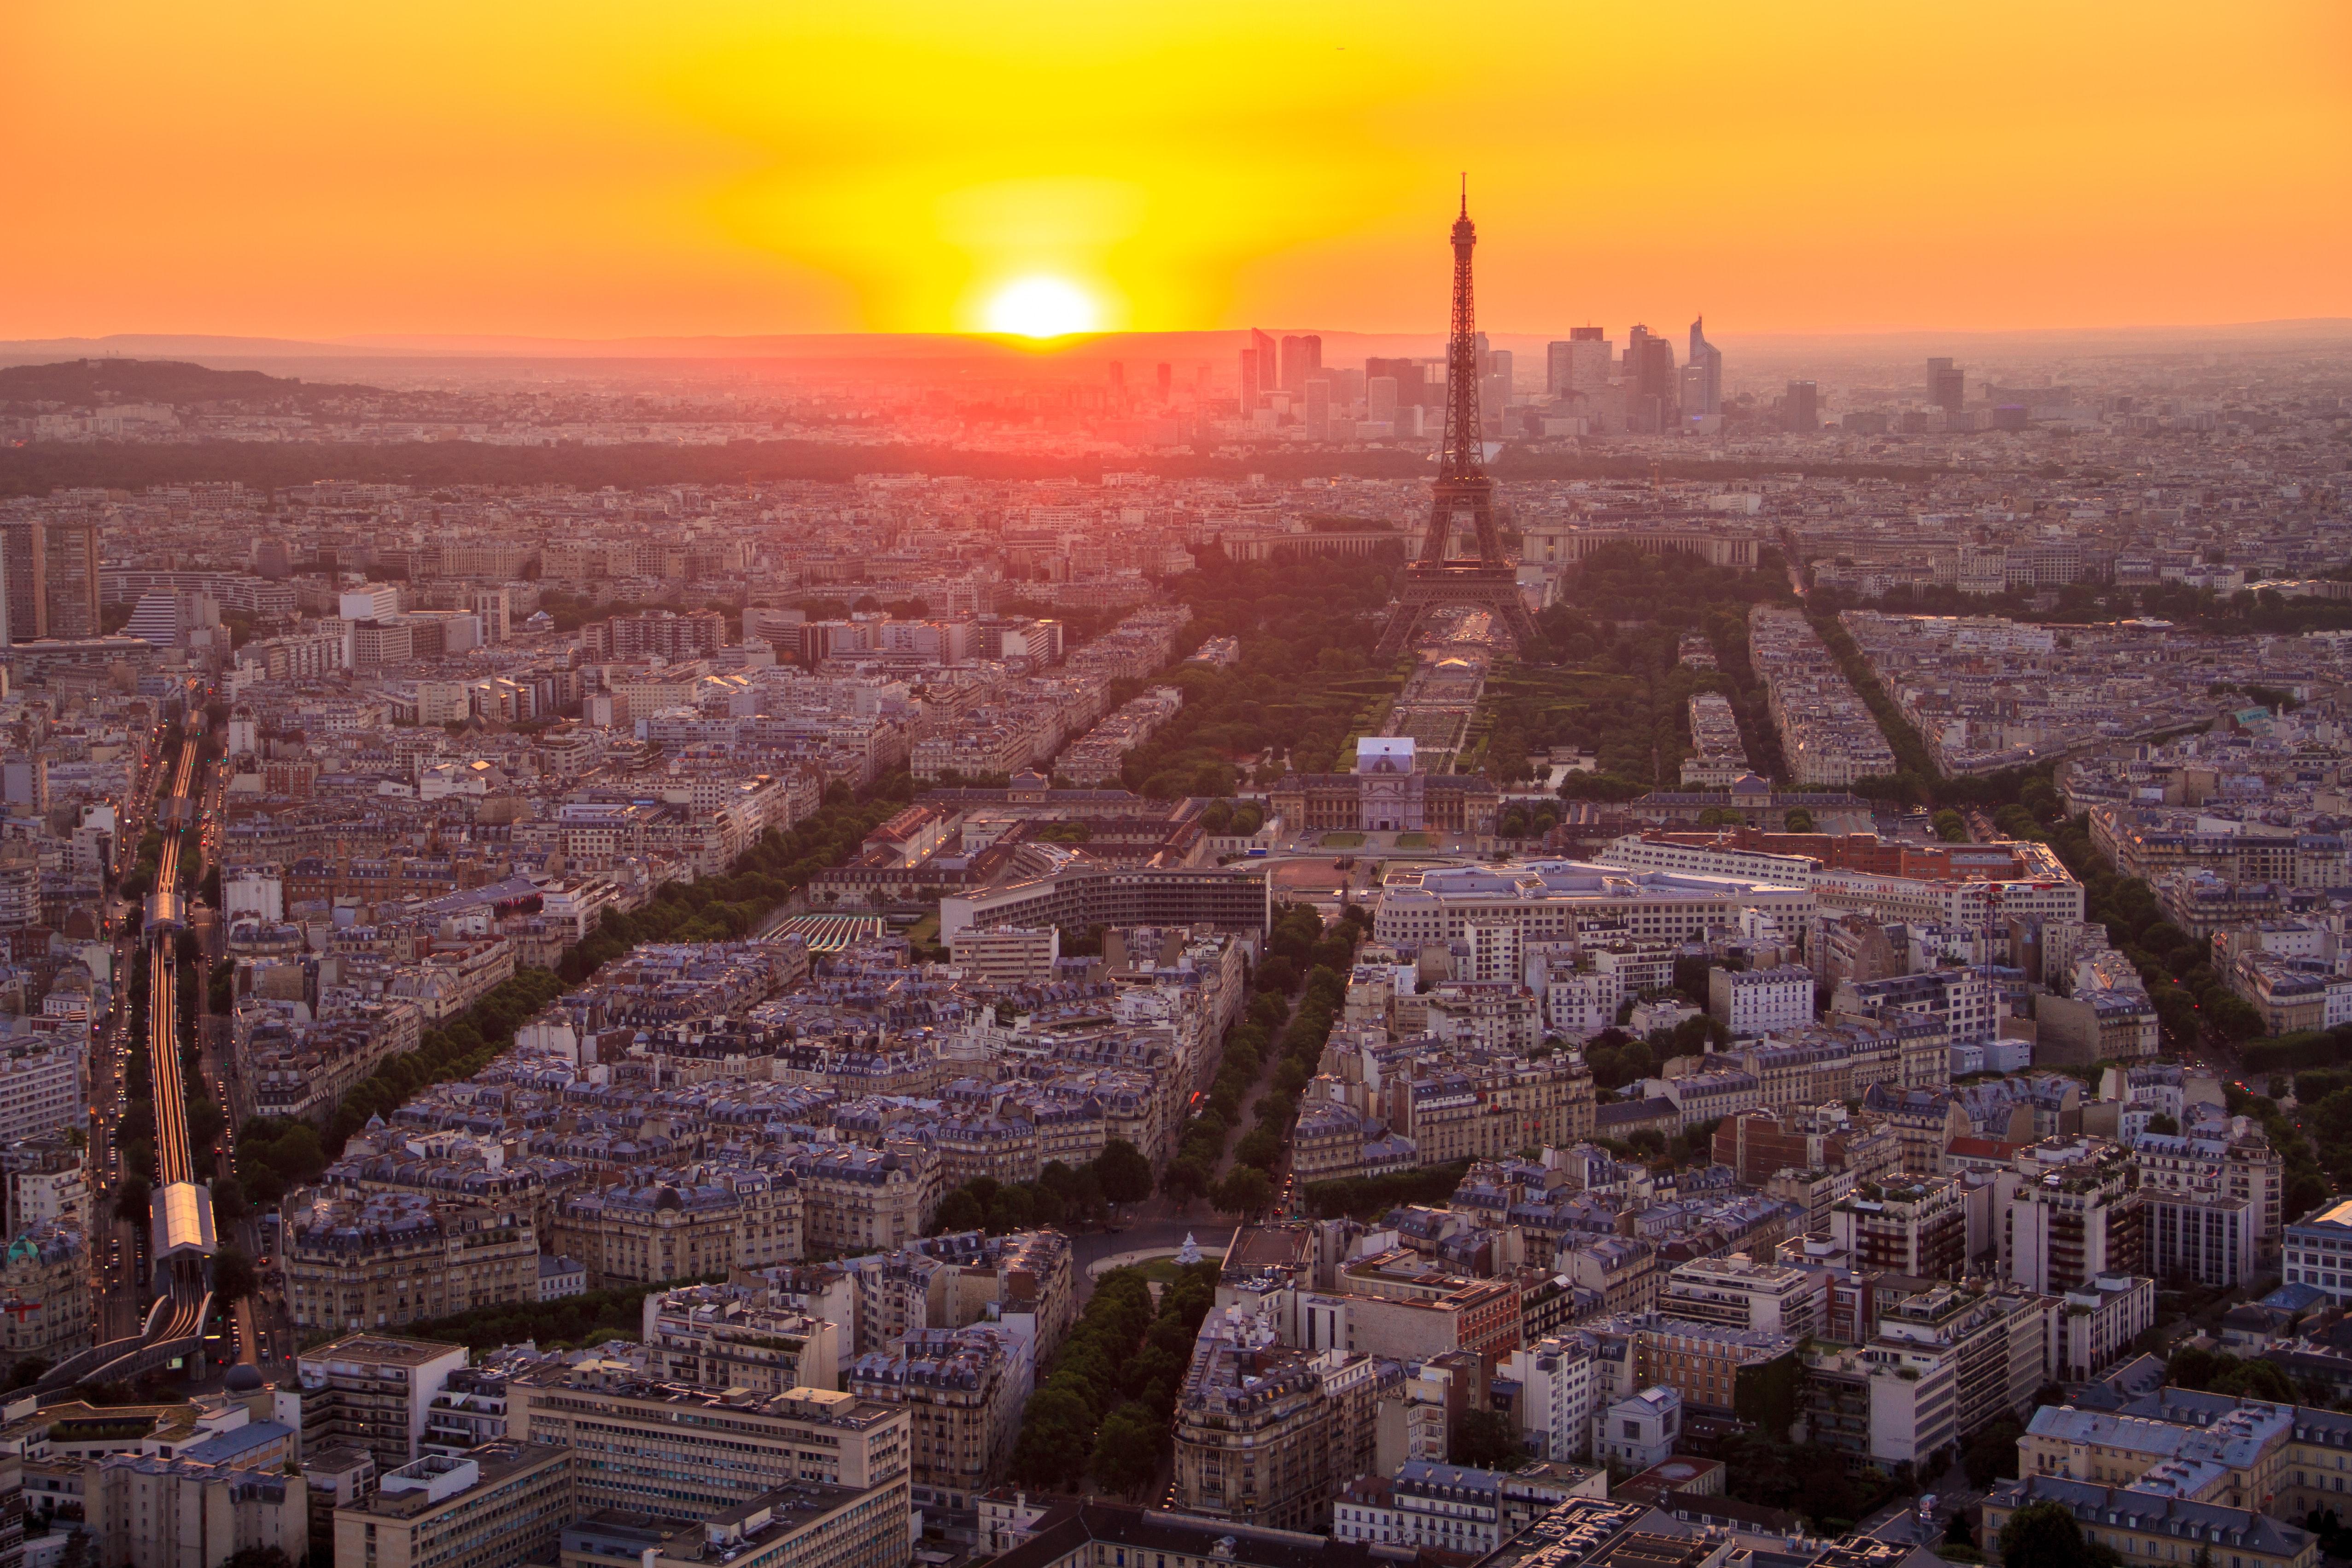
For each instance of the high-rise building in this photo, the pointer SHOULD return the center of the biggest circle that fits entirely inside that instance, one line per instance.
(502, 1505)
(1578, 366)
(1266, 355)
(70, 587)
(1708, 361)
(682, 1453)
(1165, 379)
(1381, 399)
(1317, 415)
(1301, 358)
(1650, 390)
(1945, 384)
(23, 582)
(369, 1390)
(1409, 376)
(51, 572)
(1800, 414)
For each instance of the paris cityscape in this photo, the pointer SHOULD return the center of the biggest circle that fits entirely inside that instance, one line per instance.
(755, 832)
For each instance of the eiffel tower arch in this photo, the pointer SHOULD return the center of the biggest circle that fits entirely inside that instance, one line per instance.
(1436, 580)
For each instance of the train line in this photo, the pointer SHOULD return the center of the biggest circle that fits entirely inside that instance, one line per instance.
(186, 1205)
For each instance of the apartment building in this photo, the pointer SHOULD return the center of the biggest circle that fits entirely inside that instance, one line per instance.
(368, 1391)
(857, 1199)
(1755, 1002)
(1886, 1404)
(2236, 1456)
(712, 1336)
(1918, 1227)
(2318, 1250)
(805, 1523)
(1999, 1339)
(44, 1300)
(2099, 1322)
(1556, 1379)
(2155, 1526)
(1443, 1507)
(963, 1389)
(502, 1505)
(660, 1226)
(43, 1090)
(1701, 1363)
(1266, 1436)
(149, 1511)
(680, 1452)
(2068, 1213)
(1742, 1292)
(383, 1258)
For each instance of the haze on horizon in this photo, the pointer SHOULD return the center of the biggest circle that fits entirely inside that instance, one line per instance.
(603, 171)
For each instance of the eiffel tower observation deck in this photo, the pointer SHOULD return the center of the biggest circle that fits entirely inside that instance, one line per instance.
(1436, 580)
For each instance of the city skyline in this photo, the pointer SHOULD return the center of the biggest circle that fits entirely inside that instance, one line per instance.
(716, 173)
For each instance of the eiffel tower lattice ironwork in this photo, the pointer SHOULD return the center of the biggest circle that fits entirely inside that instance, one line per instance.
(1436, 581)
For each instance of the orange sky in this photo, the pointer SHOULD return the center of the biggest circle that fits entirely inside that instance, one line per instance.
(600, 170)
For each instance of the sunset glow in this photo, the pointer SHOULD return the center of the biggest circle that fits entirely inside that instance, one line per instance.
(608, 170)
(1042, 307)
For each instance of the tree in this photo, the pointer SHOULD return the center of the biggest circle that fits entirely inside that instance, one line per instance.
(131, 1197)
(1991, 1451)
(1125, 1174)
(1245, 1190)
(258, 1557)
(1949, 826)
(2044, 1535)
(233, 1280)
(1182, 1181)
(1488, 1441)
(1126, 1450)
(959, 1210)
(2162, 1123)
(1797, 821)
(1057, 1432)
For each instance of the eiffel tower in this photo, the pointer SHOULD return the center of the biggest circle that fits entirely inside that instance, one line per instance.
(1435, 581)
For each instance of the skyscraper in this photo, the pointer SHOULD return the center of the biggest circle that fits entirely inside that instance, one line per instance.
(1800, 412)
(70, 589)
(1945, 385)
(1651, 398)
(1580, 366)
(1494, 389)
(23, 582)
(1165, 376)
(1301, 358)
(1317, 415)
(1706, 359)
(1407, 373)
(1263, 355)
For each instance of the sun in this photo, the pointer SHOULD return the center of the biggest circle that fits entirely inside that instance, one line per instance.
(1042, 307)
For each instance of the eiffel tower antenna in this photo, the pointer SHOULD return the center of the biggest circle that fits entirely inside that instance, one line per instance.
(1432, 582)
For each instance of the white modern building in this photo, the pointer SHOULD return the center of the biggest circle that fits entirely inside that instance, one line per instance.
(1639, 1430)
(2319, 1250)
(1556, 1379)
(41, 1090)
(1546, 900)
(1756, 1002)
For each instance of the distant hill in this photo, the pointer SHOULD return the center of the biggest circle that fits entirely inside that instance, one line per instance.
(87, 382)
